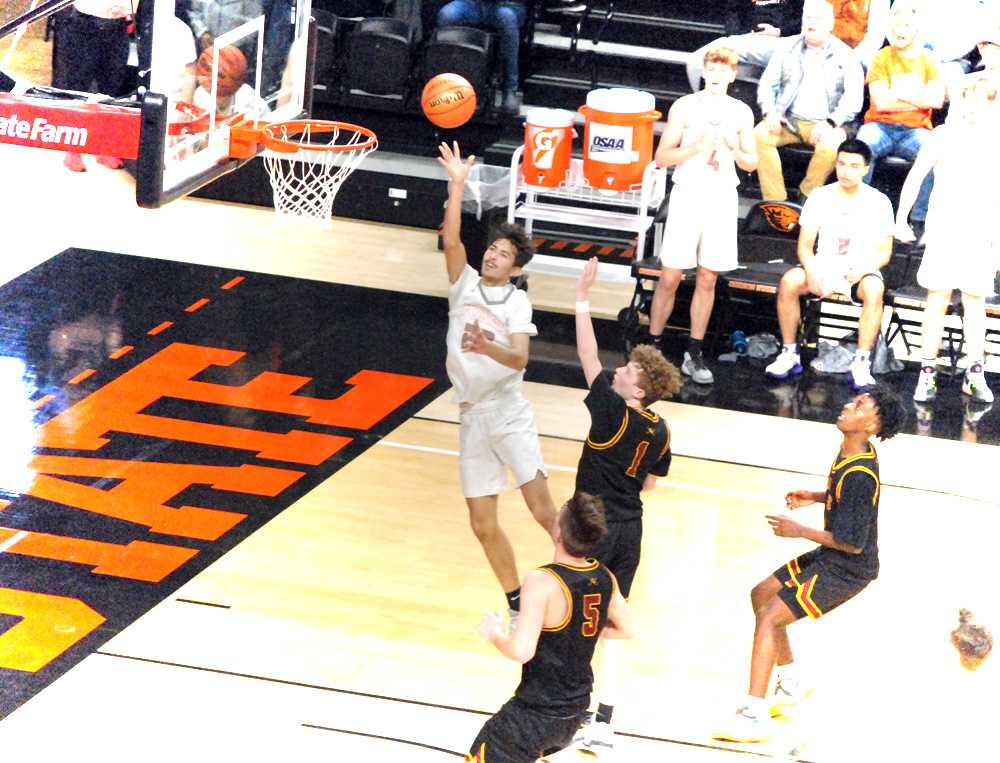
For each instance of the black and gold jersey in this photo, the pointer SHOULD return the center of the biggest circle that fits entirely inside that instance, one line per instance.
(558, 679)
(851, 514)
(623, 447)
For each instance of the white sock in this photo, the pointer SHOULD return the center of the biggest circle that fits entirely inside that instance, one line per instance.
(788, 673)
(862, 356)
(756, 706)
(792, 348)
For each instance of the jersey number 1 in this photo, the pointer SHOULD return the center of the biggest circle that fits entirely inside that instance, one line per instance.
(591, 614)
(640, 451)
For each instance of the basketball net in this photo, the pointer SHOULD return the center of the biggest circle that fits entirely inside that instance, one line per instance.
(308, 160)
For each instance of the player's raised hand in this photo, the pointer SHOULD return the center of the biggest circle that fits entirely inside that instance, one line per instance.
(784, 527)
(586, 279)
(451, 160)
(492, 627)
(796, 499)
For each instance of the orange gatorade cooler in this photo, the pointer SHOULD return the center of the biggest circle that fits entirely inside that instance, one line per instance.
(548, 146)
(618, 138)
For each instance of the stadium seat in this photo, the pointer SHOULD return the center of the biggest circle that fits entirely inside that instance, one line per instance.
(380, 57)
(467, 51)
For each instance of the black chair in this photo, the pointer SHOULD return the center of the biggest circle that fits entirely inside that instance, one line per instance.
(467, 51)
(327, 26)
(770, 231)
(380, 57)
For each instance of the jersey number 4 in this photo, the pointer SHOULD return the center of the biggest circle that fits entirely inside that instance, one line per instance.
(640, 451)
(591, 614)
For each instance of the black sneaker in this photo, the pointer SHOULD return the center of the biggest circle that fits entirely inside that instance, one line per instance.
(511, 104)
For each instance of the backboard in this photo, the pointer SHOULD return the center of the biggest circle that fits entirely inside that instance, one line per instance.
(214, 60)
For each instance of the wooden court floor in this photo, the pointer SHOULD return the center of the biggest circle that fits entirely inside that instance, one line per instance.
(345, 628)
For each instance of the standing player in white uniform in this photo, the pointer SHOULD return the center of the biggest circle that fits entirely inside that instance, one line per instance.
(962, 239)
(706, 132)
(489, 326)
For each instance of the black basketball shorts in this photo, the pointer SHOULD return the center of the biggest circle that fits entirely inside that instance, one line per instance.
(520, 734)
(811, 590)
(619, 551)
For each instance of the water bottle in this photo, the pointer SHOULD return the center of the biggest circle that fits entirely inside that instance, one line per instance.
(739, 342)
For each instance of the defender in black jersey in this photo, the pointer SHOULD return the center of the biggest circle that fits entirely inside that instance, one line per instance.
(820, 580)
(565, 607)
(627, 448)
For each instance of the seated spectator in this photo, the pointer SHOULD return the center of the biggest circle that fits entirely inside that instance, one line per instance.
(951, 31)
(905, 87)
(989, 54)
(507, 18)
(232, 94)
(850, 224)
(808, 92)
(754, 31)
(862, 25)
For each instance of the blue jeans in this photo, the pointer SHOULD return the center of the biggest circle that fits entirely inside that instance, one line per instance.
(887, 139)
(506, 17)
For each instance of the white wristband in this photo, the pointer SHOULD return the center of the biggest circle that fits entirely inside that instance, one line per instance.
(583, 307)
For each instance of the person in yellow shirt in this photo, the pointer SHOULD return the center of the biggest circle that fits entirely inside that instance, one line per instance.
(905, 85)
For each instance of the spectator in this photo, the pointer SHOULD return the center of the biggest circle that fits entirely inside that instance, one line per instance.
(951, 31)
(905, 87)
(863, 25)
(963, 246)
(92, 49)
(232, 94)
(808, 92)
(507, 17)
(707, 133)
(850, 226)
(754, 30)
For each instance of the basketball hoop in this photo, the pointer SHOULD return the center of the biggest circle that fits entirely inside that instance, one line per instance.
(307, 160)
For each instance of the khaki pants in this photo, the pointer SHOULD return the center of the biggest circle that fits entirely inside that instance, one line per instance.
(824, 158)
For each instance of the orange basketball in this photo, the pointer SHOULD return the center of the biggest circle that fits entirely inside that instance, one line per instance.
(448, 100)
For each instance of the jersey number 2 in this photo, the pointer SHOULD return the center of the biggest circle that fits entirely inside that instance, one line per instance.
(591, 614)
(640, 451)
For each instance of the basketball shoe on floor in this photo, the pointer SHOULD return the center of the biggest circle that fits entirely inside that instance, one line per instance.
(785, 365)
(595, 736)
(743, 726)
(861, 375)
(926, 387)
(694, 366)
(788, 694)
(974, 384)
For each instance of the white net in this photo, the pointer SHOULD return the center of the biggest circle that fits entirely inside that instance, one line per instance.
(305, 182)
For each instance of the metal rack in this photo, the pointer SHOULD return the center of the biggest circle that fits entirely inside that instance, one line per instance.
(576, 202)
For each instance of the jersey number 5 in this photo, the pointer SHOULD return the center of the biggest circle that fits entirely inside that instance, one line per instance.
(591, 614)
(640, 451)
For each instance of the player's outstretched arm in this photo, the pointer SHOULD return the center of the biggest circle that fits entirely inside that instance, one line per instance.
(586, 341)
(620, 621)
(796, 499)
(451, 232)
(520, 645)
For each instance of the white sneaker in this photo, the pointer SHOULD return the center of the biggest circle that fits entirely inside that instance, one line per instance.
(595, 736)
(926, 387)
(787, 695)
(742, 726)
(861, 375)
(974, 384)
(695, 368)
(785, 365)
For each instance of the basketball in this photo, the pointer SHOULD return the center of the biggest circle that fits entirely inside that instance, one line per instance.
(232, 69)
(448, 100)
